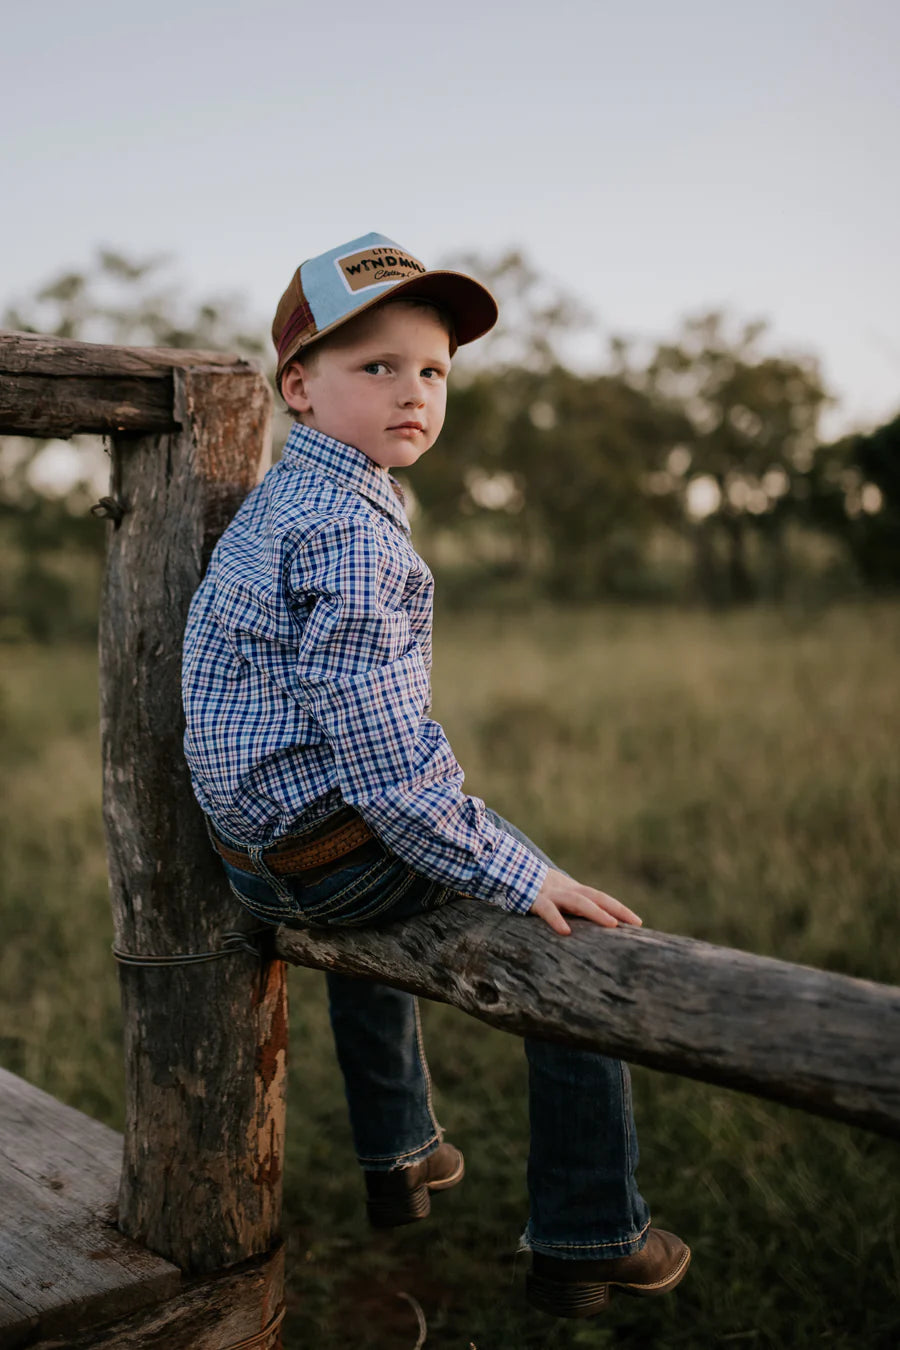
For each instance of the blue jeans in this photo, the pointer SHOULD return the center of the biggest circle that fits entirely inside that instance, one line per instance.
(582, 1189)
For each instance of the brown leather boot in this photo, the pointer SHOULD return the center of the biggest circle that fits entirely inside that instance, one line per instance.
(404, 1195)
(582, 1288)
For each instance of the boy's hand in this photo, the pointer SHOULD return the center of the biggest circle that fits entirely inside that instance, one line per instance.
(560, 894)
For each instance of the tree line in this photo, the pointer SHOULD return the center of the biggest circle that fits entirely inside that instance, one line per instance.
(688, 469)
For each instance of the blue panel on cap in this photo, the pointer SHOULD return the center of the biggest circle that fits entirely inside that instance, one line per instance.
(325, 289)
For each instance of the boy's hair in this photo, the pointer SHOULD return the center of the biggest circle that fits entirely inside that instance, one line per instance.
(308, 356)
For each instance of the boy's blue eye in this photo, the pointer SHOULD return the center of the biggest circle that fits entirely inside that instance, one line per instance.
(373, 367)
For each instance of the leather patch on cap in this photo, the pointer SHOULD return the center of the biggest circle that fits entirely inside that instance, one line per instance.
(375, 266)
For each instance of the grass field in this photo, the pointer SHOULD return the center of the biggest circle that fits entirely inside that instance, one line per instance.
(733, 778)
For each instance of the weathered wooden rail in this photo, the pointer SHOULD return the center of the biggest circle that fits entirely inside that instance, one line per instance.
(824, 1042)
(205, 1041)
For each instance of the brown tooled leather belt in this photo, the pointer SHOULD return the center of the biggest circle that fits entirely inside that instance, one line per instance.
(336, 841)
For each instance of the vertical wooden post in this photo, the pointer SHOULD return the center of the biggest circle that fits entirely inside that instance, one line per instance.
(205, 1044)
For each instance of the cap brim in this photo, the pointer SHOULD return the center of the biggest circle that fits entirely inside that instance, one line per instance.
(470, 305)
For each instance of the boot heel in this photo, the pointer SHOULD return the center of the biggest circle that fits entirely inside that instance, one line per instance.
(566, 1300)
(395, 1210)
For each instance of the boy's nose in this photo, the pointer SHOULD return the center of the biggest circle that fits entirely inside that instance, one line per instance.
(412, 395)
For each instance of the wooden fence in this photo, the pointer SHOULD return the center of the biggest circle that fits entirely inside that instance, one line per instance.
(193, 1236)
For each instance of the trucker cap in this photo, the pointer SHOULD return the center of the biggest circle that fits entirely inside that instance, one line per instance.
(326, 291)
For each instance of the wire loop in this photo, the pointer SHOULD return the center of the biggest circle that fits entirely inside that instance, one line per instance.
(233, 941)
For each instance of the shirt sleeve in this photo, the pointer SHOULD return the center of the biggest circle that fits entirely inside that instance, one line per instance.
(361, 677)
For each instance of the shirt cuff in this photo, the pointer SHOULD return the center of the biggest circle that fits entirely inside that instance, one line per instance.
(511, 875)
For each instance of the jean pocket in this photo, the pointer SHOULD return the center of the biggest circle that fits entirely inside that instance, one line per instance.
(389, 892)
(352, 895)
(348, 895)
(365, 893)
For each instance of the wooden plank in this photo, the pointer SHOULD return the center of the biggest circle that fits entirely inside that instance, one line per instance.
(63, 1263)
(820, 1041)
(205, 1044)
(69, 1264)
(209, 1314)
(41, 354)
(63, 405)
(19, 1321)
(57, 387)
(56, 1129)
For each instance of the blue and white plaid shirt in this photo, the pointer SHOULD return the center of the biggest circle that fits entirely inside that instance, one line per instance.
(306, 677)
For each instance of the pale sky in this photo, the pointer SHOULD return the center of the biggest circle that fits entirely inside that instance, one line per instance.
(654, 158)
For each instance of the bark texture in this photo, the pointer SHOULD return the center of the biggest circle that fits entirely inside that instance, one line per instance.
(205, 1044)
(824, 1042)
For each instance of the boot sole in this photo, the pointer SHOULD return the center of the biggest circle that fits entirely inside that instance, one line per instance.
(566, 1300)
(397, 1210)
(589, 1298)
(410, 1206)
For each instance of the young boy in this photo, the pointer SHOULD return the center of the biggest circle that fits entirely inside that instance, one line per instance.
(333, 798)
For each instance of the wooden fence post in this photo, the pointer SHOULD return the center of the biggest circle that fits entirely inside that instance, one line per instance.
(205, 1043)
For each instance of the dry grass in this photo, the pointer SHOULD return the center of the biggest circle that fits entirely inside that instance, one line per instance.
(733, 778)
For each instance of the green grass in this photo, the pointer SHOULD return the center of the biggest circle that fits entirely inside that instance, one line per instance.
(732, 778)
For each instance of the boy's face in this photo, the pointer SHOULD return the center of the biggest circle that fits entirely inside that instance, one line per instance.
(381, 385)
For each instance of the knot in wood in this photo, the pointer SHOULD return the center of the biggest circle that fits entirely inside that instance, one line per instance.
(485, 992)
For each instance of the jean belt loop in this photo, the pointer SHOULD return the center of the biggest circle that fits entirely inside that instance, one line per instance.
(258, 863)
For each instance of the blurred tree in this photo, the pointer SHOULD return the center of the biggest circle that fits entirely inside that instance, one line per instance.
(545, 475)
(123, 300)
(542, 469)
(49, 544)
(750, 430)
(853, 491)
(537, 319)
(876, 540)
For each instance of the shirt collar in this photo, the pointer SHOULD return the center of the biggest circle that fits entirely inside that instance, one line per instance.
(307, 448)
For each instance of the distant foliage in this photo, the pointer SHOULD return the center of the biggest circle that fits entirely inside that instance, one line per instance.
(50, 545)
(686, 469)
(135, 303)
(855, 493)
(692, 470)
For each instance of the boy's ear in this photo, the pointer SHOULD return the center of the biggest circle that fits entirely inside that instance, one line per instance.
(294, 387)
